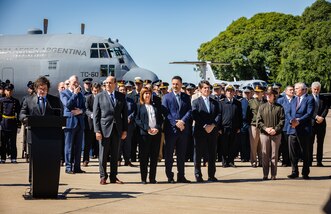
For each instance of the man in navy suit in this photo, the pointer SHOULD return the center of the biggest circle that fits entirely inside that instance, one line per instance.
(74, 109)
(300, 130)
(177, 112)
(285, 101)
(207, 116)
(318, 122)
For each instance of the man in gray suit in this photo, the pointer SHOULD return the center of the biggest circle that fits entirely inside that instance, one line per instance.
(110, 126)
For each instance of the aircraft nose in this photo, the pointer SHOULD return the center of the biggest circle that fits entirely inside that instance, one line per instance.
(140, 72)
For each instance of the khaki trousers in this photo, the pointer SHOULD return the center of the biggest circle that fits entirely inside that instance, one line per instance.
(270, 146)
(254, 139)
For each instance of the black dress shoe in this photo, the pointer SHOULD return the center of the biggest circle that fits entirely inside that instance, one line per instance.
(306, 177)
(212, 179)
(171, 181)
(153, 181)
(144, 182)
(232, 165)
(116, 181)
(183, 180)
(199, 179)
(319, 164)
(70, 172)
(293, 176)
(79, 171)
(265, 178)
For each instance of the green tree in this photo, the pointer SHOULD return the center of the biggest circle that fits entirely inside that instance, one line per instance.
(275, 47)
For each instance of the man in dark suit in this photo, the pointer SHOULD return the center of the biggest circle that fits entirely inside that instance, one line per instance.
(110, 126)
(300, 130)
(90, 141)
(39, 104)
(177, 112)
(207, 116)
(318, 122)
(73, 102)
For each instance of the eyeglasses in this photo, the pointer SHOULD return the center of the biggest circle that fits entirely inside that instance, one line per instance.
(107, 83)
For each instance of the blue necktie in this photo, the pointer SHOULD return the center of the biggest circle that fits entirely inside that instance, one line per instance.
(112, 98)
(178, 99)
(42, 105)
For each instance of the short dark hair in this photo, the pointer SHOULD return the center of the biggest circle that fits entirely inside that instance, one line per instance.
(41, 81)
(202, 82)
(177, 78)
(96, 85)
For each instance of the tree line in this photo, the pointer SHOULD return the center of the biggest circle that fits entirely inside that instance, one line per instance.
(275, 47)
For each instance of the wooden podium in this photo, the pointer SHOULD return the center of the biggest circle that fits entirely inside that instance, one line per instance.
(45, 136)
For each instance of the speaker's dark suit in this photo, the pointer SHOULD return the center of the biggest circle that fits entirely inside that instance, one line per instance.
(173, 136)
(30, 107)
(319, 129)
(204, 141)
(300, 137)
(110, 119)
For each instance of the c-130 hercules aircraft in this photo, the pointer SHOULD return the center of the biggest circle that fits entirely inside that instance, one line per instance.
(26, 57)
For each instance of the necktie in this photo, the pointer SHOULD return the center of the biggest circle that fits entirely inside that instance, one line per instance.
(298, 103)
(207, 104)
(178, 99)
(112, 98)
(42, 105)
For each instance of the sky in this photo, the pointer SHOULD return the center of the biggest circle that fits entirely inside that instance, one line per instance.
(153, 32)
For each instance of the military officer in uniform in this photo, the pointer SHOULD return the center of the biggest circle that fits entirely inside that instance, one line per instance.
(10, 125)
(231, 112)
(87, 86)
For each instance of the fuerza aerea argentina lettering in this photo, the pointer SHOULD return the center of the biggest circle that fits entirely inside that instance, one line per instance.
(29, 51)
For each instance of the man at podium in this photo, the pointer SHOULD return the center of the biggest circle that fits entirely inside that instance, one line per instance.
(40, 104)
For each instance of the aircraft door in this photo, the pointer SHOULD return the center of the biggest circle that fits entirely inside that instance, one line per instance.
(7, 73)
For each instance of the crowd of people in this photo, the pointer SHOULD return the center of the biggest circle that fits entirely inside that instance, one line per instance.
(124, 121)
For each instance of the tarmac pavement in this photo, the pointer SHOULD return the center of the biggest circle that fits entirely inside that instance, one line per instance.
(239, 190)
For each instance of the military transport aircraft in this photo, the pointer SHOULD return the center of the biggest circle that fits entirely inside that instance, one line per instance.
(58, 56)
(207, 74)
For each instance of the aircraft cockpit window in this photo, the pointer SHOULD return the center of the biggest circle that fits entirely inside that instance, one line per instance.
(107, 45)
(94, 53)
(94, 45)
(101, 45)
(118, 52)
(110, 52)
(103, 53)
